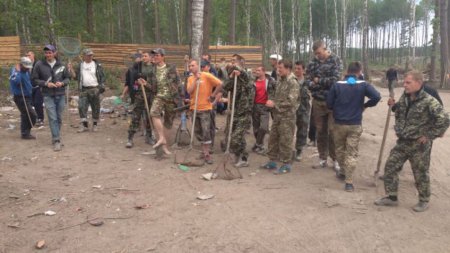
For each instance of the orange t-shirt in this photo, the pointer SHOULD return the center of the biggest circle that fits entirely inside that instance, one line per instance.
(207, 83)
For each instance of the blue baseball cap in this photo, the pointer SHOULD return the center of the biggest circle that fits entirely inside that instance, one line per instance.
(49, 47)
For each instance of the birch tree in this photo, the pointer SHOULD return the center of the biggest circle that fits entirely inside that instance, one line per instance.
(197, 28)
(365, 39)
(51, 28)
(444, 42)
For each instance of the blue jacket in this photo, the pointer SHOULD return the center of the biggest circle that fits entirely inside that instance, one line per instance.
(346, 99)
(18, 78)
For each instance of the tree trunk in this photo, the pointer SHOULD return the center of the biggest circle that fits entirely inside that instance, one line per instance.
(51, 29)
(177, 17)
(90, 19)
(248, 16)
(344, 32)
(156, 16)
(232, 35)
(336, 27)
(310, 30)
(197, 29)
(434, 41)
(365, 40)
(281, 30)
(268, 14)
(206, 25)
(141, 7)
(131, 21)
(410, 32)
(444, 42)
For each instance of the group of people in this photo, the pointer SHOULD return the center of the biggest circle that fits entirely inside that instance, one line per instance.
(338, 102)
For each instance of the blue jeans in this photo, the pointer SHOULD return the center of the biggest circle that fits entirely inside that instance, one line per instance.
(54, 106)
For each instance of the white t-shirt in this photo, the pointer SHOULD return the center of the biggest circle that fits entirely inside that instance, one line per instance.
(88, 77)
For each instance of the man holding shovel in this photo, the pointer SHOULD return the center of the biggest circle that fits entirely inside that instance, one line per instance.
(201, 101)
(419, 119)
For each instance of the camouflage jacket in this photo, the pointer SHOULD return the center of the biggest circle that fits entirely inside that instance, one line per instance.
(304, 98)
(423, 116)
(328, 73)
(244, 99)
(174, 81)
(286, 96)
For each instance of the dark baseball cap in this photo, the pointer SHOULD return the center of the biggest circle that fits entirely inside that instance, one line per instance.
(49, 47)
(205, 63)
(159, 51)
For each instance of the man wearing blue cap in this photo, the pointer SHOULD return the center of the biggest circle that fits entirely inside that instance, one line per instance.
(53, 77)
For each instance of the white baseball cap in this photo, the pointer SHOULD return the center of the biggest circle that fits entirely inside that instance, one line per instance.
(276, 57)
(26, 62)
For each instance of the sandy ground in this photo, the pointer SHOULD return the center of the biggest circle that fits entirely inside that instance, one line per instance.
(304, 211)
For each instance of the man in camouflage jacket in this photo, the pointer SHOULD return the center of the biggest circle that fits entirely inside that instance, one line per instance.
(322, 72)
(284, 107)
(419, 119)
(242, 110)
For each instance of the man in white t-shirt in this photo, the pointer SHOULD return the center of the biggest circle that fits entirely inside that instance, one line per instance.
(91, 80)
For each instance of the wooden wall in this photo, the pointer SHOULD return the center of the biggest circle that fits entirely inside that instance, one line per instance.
(9, 50)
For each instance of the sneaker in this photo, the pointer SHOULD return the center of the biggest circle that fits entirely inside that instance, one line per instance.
(261, 151)
(322, 164)
(386, 201)
(129, 143)
(150, 140)
(208, 159)
(241, 163)
(82, 129)
(349, 187)
(298, 156)
(255, 147)
(28, 137)
(94, 128)
(39, 123)
(57, 146)
(269, 165)
(285, 168)
(336, 166)
(340, 176)
(420, 206)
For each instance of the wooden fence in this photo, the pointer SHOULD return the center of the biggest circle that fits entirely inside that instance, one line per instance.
(119, 55)
(9, 50)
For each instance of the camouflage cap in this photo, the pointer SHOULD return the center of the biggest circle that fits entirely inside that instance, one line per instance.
(159, 51)
(88, 51)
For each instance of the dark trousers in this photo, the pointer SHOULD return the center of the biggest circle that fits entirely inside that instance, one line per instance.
(23, 105)
(312, 128)
(38, 103)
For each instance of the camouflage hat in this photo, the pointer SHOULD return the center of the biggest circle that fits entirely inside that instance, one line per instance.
(88, 51)
(159, 51)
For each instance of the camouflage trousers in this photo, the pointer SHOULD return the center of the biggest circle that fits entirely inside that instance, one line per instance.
(238, 144)
(138, 111)
(419, 157)
(346, 140)
(89, 97)
(302, 123)
(323, 119)
(202, 128)
(280, 139)
(260, 121)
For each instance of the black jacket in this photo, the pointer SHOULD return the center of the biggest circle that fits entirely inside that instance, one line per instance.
(99, 73)
(44, 73)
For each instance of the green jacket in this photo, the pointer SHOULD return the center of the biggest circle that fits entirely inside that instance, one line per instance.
(424, 116)
(244, 99)
(286, 96)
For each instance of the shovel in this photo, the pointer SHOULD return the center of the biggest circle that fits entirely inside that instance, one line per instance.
(186, 161)
(222, 170)
(383, 142)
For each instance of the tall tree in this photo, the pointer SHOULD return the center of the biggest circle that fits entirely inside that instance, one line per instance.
(51, 28)
(197, 28)
(365, 39)
(157, 28)
(90, 19)
(232, 34)
(444, 42)
(141, 8)
(206, 25)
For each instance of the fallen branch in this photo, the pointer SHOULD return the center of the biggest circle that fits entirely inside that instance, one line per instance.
(93, 219)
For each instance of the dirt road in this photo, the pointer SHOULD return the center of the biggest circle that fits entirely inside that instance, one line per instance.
(94, 176)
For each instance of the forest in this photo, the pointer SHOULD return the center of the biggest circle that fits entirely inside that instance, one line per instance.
(407, 33)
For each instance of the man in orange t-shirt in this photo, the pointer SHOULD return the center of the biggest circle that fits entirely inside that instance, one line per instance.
(206, 97)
